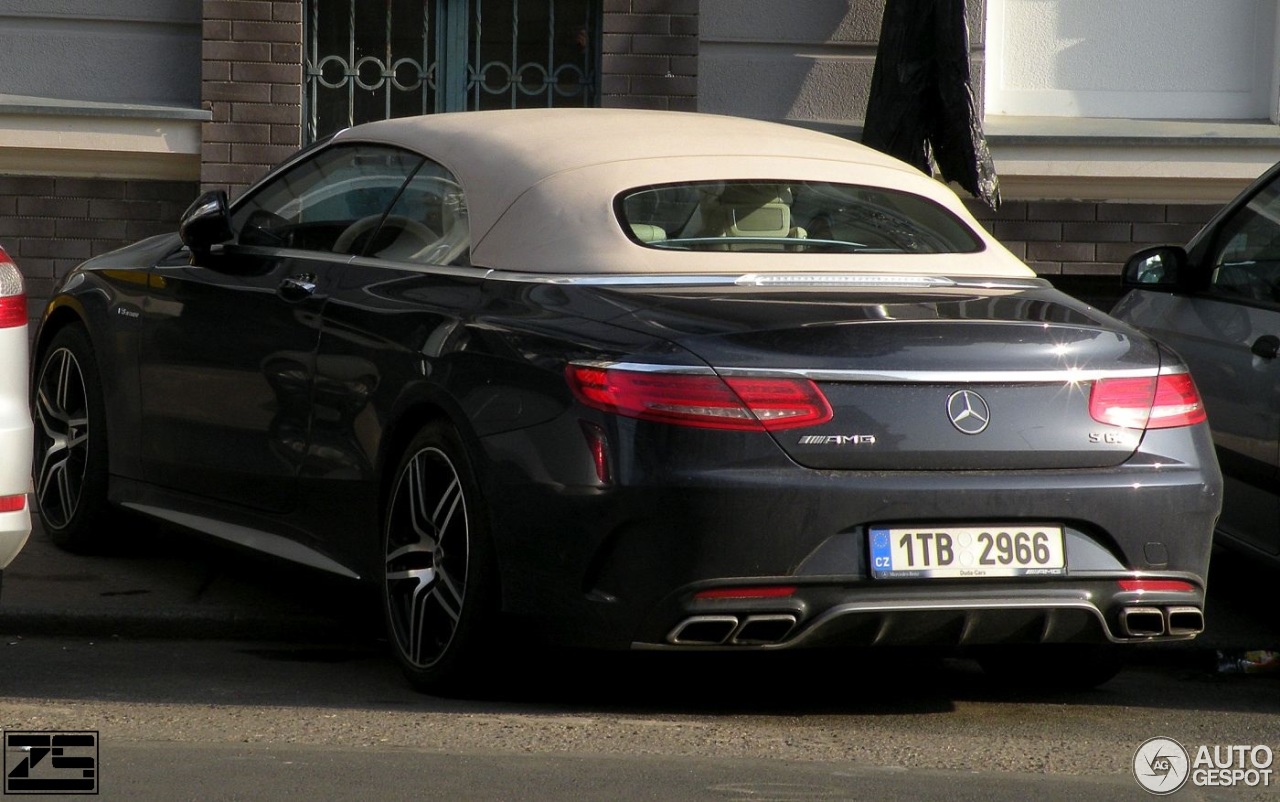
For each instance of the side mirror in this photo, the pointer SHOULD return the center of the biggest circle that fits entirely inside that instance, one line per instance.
(206, 222)
(1161, 268)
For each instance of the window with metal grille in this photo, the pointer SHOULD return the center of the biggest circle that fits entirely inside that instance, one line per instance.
(375, 60)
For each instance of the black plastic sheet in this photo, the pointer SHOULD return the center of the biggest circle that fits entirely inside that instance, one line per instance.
(922, 108)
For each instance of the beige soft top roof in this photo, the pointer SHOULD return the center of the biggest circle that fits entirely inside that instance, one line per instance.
(541, 183)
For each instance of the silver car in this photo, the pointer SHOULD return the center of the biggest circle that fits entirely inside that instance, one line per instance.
(1217, 302)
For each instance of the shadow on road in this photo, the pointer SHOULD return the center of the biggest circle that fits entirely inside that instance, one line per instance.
(343, 661)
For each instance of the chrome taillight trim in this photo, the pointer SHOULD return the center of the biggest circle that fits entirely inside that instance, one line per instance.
(901, 376)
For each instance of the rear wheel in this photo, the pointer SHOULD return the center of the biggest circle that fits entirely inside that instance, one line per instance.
(439, 583)
(71, 444)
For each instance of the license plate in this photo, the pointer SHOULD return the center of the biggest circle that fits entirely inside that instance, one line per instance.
(952, 552)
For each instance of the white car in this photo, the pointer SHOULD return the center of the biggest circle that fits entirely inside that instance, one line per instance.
(15, 416)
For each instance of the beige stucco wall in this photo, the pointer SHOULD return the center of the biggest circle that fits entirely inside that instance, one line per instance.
(804, 60)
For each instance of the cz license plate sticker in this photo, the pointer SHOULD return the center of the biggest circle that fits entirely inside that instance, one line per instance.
(957, 552)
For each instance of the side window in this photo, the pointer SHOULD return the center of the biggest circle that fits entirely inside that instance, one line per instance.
(331, 202)
(428, 224)
(1246, 262)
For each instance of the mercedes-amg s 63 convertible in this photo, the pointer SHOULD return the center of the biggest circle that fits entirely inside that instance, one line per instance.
(637, 380)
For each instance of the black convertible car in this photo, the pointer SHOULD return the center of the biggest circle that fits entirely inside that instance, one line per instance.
(640, 380)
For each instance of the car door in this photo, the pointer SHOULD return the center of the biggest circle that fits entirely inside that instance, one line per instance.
(393, 320)
(227, 360)
(1228, 331)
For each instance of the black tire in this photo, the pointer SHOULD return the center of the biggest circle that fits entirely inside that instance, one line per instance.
(70, 465)
(439, 588)
(1052, 668)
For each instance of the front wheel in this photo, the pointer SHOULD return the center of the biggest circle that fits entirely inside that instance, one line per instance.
(439, 582)
(70, 469)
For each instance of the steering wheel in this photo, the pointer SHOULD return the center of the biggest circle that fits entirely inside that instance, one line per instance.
(365, 224)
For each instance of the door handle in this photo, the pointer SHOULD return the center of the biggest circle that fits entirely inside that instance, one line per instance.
(1267, 346)
(295, 288)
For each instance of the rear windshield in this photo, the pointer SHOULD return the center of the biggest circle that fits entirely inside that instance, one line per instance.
(803, 216)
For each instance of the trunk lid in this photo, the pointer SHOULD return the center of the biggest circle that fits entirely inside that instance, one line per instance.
(980, 377)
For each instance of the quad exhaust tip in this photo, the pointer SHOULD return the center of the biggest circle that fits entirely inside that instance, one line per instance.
(1141, 622)
(1185, 620)
(703, 630)
(1152, 622)
(718, 630)
(758, 630)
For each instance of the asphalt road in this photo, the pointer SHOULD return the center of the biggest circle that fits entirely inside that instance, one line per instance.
(210, 675)
(212, 719)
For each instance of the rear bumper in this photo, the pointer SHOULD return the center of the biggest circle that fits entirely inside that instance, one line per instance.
(1073, 612)
(15, 528)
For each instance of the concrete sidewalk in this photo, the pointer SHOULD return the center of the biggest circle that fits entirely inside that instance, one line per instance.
(171, 585)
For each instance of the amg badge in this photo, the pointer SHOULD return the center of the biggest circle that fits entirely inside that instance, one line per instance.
(838, 440)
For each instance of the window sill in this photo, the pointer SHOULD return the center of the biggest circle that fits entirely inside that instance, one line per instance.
(1169, 161)
(48, 136)
(1132, 133)
(24, 105)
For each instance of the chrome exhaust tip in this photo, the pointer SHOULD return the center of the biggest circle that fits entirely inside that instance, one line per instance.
(1185, 620)
(763, 629)
(703, 630)
(1142, 622)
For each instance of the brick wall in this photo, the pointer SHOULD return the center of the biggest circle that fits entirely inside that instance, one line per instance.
(49, 225)
(650, 54)
(252, 75)
(1081, 246)
(252, 83)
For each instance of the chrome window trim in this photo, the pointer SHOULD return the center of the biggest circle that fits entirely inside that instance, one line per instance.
(455, 271)
(620, 279)
(779, 279)
(644, 367)
(763, 280)
(841, 280)
(832, 281)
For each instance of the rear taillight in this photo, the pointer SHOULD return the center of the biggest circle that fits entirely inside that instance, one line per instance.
(1153, 402)
(13, 295)
(702, 400)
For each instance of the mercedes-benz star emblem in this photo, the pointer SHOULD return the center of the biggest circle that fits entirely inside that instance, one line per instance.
(968, 411)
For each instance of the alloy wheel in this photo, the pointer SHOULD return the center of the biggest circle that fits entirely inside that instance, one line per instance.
(61, 414)
(427, 557)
